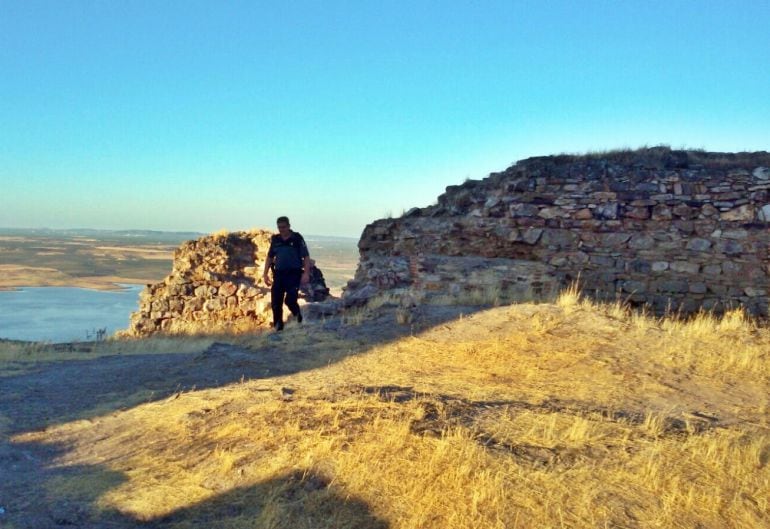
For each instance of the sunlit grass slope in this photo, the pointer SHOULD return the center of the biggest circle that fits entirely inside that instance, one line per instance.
(529, 416)
(18, 357)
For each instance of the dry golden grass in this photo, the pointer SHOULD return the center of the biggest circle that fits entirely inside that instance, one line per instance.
(17, 357)
(658, 154)
(531, 416)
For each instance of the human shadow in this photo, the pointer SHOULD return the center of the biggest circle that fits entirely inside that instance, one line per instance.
(73, 496)
(293, 501)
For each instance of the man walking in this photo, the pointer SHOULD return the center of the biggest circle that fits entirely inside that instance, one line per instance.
(289, 260)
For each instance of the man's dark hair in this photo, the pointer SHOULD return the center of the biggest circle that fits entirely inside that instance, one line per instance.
(282, 219)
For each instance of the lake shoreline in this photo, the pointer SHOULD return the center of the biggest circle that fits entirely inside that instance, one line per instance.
(58, 314)
(104, 283)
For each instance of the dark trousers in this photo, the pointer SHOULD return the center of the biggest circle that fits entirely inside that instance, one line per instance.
(285, 287)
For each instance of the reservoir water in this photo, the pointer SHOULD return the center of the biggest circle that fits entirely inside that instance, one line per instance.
(62, 314)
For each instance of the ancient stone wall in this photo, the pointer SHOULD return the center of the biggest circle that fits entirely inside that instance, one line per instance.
(213, 286)
(675, 230)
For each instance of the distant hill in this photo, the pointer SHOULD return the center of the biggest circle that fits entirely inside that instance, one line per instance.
(145, 236)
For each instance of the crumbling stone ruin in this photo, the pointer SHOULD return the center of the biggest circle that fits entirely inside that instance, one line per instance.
(214, 286)
(672, 230)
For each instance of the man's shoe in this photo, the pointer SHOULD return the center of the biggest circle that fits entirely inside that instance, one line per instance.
(299, 318)
(278, 327)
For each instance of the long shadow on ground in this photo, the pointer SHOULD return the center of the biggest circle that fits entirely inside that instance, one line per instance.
(59, 392)
(298, 500)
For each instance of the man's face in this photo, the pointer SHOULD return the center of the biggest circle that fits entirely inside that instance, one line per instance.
(283, 228)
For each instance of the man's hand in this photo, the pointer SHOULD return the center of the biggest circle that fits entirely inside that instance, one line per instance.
(305, 278)
(266, 279)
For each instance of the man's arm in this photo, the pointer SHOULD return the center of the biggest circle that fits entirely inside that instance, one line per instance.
(305, 255)
(266, 272)
(305, 270)
(269, 263)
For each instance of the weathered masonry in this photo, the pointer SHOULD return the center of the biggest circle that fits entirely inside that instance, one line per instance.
(213, 286)
(675, 230)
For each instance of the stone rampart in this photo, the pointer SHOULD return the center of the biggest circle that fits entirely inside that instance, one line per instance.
(674, 230)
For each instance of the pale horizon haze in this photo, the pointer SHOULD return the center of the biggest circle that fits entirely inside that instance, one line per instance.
(198, 116)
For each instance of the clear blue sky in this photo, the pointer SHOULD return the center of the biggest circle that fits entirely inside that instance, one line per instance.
(208, 115)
